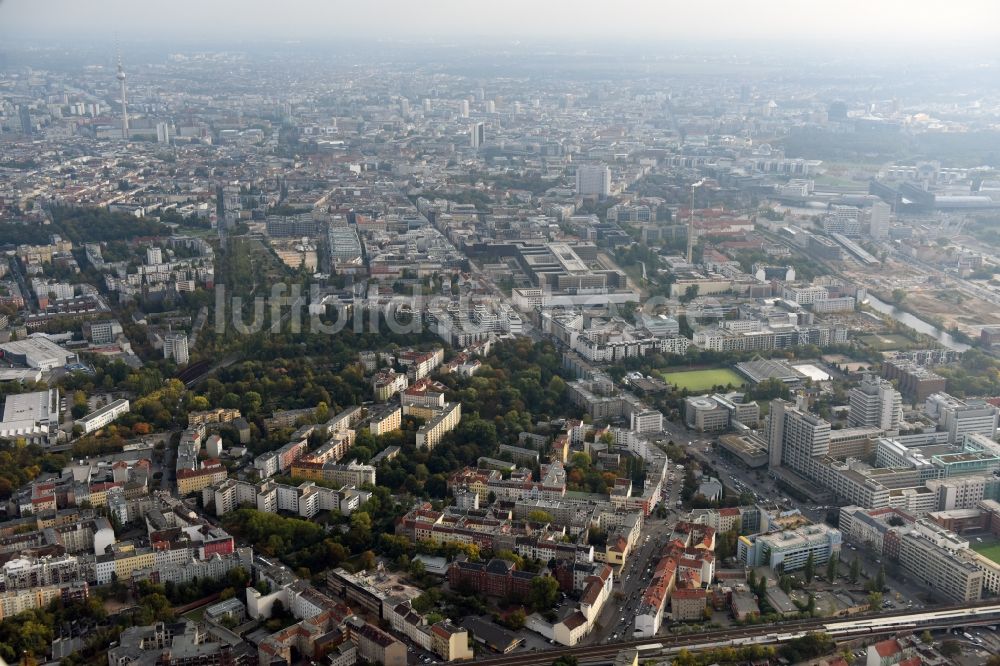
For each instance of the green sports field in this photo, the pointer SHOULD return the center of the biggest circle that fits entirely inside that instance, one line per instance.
(703, 380)
(887, 342)
(990, 550)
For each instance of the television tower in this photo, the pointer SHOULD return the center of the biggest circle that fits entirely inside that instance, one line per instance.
(121, 79)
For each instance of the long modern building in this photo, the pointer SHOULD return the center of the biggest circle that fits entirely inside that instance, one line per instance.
(726, 339)
(789, 550)
(936, 560)
(960, 417)
(561, 273)
(36, 352)
(964, 492)
(439, 422)
(103, 416)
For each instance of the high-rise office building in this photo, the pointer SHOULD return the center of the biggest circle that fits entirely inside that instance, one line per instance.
(593, 180)
(478, 136)
(879, 220)
(404, 107)
(775, 432)
(175, 346)
(491, 106)
(464, 108)
(962, 417)
(162, 133)
(794, 437)
(875, 403)
(24, 115)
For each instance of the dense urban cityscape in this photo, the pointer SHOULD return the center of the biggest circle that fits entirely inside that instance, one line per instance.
(408, 353)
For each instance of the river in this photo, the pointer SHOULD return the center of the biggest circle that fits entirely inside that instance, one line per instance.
(918, 325)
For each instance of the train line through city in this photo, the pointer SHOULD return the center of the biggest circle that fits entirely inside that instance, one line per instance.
(840, 629)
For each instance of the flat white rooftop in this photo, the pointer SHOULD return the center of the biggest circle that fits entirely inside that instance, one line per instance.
(38, 352)
(812, 372)
(38, 406)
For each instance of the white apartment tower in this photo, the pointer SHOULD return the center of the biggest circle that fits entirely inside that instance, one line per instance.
(795, 437)
(878, 220)
(478, 136)
(593, 180)
(875, 403)
(175, 346)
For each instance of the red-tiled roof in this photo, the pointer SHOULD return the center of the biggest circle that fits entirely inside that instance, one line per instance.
(887, 648)
(592, 591)
(575, 620)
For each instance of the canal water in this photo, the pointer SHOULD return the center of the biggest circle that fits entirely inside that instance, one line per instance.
(916, 324)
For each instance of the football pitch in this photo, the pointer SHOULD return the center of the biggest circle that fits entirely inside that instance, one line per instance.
(886, 342)
(703, 380)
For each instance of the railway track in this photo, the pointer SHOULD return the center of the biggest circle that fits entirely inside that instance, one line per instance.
(874, 625)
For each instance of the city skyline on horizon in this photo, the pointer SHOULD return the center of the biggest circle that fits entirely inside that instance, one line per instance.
(967, 23)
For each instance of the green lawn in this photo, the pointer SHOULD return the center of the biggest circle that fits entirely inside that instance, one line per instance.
(890, 341)
(990, 550)
(196, 615)
(703, 380)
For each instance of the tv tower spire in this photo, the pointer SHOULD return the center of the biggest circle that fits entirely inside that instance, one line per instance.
(121, 80)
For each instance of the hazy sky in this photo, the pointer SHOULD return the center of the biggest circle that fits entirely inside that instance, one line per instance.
(848, 21)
